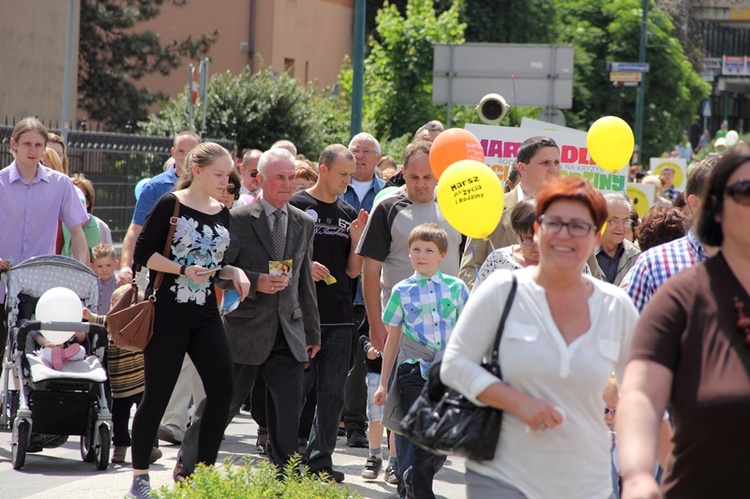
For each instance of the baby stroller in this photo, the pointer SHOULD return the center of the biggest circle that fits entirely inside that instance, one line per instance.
(42, 400)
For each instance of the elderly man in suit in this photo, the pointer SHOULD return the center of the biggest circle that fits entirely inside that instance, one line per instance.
(538, 159)
(276, 331)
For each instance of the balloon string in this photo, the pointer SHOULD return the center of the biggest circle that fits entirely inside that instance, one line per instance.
(476, 268)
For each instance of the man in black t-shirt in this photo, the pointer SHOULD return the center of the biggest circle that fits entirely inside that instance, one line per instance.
(338, 228)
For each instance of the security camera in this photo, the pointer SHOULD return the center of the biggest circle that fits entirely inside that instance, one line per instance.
(492, 109)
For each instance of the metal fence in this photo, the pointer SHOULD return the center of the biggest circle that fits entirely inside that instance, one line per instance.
(114, 163)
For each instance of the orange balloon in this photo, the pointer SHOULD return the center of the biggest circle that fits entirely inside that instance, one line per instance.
(454, 144)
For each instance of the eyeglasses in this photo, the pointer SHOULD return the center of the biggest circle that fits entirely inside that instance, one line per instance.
(617, 222)
(230, 189)
(575, 228)
(253, 174)
(608, 410)
(740, 192)
(526, 241)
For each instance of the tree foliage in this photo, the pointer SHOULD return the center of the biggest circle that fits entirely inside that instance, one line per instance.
(606, 30)
(257, 110)
(112, 54)
(398, 68)
(398, 95)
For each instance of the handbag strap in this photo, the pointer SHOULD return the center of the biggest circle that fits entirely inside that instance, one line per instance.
(165, 253)
(495, 357)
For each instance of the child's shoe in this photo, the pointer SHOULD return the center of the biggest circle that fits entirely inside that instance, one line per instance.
(372, 468)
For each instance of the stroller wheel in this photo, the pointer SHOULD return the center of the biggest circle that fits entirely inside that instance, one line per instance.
(88, 450)
(102, 450)
(19, 443)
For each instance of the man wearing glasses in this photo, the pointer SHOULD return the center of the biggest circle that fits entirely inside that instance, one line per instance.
(250, 186)
(360, 193)
(616, 255)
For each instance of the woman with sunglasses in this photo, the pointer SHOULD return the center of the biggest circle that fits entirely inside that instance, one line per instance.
(230, 196)
(691, 351)
(565, 334)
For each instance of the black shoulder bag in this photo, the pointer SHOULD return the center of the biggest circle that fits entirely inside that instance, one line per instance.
(445, 422)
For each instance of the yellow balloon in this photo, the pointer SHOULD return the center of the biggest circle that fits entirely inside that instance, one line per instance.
(470, 196)
(610, 143)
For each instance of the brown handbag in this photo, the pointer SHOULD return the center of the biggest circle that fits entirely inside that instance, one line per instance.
(131, 322)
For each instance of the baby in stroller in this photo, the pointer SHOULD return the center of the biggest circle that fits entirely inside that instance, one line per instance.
(58, 355)
(44, 396)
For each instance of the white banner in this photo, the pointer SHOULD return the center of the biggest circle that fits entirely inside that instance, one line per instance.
(501, 145)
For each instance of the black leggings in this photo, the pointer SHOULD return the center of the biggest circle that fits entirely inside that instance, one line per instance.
(209, 350)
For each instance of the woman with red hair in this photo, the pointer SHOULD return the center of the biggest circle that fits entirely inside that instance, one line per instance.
(565, 334)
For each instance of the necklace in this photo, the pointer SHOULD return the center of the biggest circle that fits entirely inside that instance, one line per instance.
(743, 321)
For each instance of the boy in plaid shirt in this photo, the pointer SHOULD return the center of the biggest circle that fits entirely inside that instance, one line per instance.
(421, 313)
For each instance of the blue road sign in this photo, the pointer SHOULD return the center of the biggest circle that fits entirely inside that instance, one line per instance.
(634, 67)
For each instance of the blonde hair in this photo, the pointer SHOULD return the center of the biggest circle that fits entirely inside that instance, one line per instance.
(102, 250)
(117, 293)
(53, 137)
(50, 159)
(203, 155)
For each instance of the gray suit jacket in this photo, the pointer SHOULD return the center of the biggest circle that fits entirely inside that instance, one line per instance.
(252, 327)
(476, 251)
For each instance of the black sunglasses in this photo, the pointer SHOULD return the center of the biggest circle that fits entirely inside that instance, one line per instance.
(740, 192)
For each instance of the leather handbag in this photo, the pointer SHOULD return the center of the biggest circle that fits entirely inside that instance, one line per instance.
(131, 322)
(445, 422)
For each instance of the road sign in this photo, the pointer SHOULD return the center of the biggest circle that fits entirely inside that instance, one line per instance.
(706, 108)
(624, 76)
(525, 74)
(635, 67)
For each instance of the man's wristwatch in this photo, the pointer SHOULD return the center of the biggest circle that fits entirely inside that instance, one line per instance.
(182, 269)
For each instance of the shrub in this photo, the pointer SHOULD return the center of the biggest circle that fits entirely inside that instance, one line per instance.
(255, 479)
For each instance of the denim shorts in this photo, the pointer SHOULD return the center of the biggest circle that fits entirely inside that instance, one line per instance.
(374, 412)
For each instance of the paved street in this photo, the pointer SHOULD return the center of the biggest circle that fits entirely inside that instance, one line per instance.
(60, 473)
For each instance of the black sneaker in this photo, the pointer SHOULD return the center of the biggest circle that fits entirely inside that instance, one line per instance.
(329, 473)
(372, 468)
(357, 438)
(342, 431)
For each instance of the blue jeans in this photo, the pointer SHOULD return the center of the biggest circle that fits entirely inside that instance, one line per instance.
(330, 366)
(416, 466)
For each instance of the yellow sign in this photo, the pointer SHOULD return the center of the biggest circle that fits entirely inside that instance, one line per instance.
(641, 196)
(677, 165)
(624, 76)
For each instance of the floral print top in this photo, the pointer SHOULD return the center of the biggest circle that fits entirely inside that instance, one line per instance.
(199, 239)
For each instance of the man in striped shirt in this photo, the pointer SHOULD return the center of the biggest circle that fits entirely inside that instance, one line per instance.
(656, 265)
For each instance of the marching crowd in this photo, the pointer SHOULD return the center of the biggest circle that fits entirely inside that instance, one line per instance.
(624, 354)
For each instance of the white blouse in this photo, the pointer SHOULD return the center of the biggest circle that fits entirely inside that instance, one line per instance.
(573, 459)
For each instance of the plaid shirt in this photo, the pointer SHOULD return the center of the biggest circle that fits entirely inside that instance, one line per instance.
(656, 265)
(427, 308)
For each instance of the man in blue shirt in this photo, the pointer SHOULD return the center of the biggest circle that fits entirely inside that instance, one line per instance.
(360, 193)
(184, 142)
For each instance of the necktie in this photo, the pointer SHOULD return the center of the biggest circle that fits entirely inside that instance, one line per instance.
(279, 238)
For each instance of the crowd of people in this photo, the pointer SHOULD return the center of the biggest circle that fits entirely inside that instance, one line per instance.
(624, 356)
